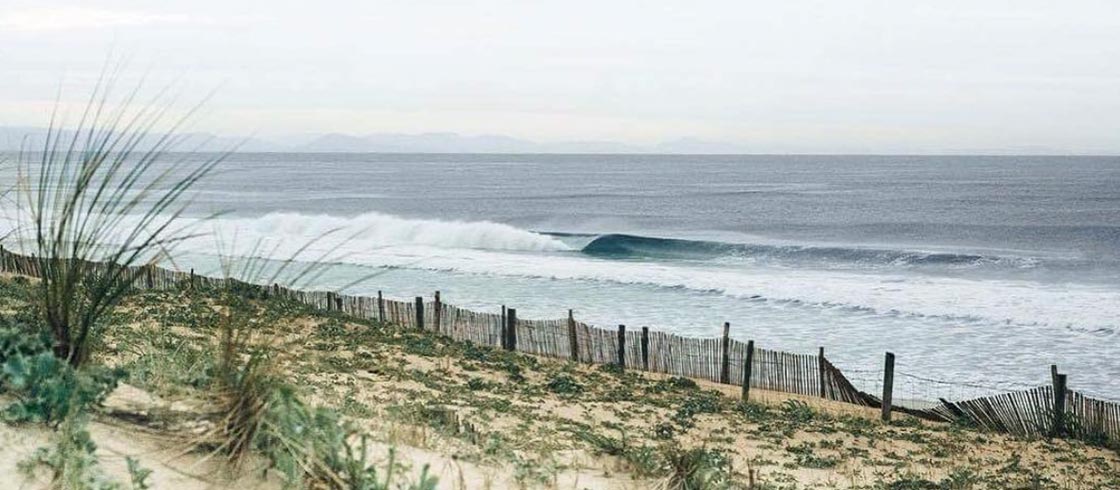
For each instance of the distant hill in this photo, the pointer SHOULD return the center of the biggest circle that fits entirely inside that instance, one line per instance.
(456, 143)
(12, 136)
(443, 142)
(418, 143)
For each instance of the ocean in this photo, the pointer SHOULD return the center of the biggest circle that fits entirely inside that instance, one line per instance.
(978, 272)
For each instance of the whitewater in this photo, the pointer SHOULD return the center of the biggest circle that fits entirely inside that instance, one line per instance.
(374, 240)
(976, 270)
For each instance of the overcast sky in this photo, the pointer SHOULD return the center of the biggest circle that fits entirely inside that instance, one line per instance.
(781, 75)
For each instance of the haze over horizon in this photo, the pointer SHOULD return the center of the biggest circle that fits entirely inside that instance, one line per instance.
(725, 77)
(14, 139)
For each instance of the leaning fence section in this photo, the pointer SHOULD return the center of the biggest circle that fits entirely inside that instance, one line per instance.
(1051, 410)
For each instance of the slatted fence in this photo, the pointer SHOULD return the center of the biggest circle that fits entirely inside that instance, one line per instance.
(1030, 412)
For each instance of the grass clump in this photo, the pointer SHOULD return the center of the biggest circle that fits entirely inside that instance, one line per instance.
(797, 412)
(698, 469)
(679, 468)
(310, 447)
(106, 191)
(642, 460)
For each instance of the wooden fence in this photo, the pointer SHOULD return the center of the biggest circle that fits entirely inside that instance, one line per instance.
(1031, 413)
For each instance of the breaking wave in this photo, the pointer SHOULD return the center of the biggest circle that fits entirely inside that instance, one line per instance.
(621, 246)
(374, 230)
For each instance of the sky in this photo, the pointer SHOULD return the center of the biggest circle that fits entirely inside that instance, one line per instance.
(786, 76)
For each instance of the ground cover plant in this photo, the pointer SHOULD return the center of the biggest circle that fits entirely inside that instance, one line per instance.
(535, 422)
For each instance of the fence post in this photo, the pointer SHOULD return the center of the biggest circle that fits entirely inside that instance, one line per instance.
(420, 312)
(337, 302)
(149, 282)
(192, 279)
(645, 348)
(725, 364)
(622, 346)
(1059, 427)
(888, 386)
(820, 370)
(573, 341)
(503, 327)
(437, 314)
(511, 329)
(380, 308)
(747, 370)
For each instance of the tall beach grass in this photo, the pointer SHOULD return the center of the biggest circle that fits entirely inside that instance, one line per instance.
(107, 189)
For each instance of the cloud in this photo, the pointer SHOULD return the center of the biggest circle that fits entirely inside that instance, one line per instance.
(67, 18)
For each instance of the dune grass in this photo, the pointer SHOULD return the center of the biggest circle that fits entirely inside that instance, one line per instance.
(98, 203)
(108, 189)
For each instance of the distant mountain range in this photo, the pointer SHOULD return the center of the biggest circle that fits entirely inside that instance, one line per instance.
(11, 138)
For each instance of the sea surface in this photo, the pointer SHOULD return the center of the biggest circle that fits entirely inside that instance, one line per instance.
(978, 272)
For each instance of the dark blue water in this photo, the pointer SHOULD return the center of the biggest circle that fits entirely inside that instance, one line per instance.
(1038, 217)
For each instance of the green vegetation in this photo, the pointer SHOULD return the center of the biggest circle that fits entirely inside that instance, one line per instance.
(495, 408)
(71, 459)
(105, 190)
(258, 361)
(47, 390)
(98, 205)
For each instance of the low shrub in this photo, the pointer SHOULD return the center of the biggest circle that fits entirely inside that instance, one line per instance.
(73, 463)
(611, 369)
(697, 403)
(806, 455)
(674, 383)
(20, 338)
(46, 388)
(564, 385)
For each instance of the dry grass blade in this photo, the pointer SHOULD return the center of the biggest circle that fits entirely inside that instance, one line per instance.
(110, 190)
(259, 412)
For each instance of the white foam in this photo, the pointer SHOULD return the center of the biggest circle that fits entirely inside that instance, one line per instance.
(364, 232)
(379, 240)
(965, 300)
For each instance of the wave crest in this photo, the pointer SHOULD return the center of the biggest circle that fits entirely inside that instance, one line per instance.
(373, 230)
(634, 246)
